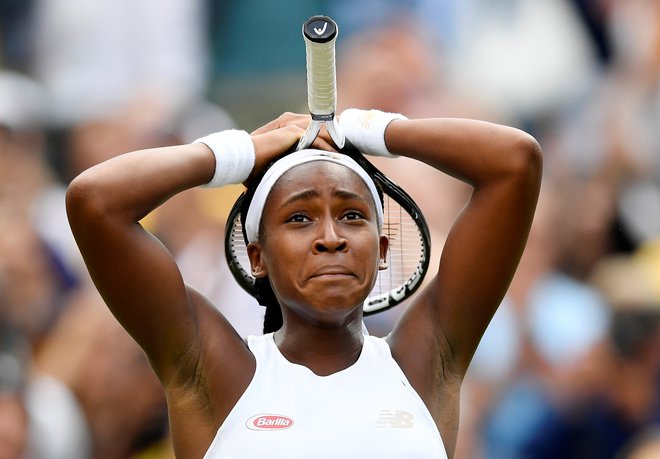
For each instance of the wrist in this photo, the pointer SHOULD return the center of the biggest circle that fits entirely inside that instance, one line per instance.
(234, 156)
(365, 129)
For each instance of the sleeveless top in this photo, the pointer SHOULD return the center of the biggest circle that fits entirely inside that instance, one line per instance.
(368, 410)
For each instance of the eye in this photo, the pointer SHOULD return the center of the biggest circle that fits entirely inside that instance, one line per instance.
(298, 218)
(353, 215)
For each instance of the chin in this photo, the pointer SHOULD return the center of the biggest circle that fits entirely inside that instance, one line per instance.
(331, 311)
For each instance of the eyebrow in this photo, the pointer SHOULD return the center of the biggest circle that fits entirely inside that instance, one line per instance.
(309, 194)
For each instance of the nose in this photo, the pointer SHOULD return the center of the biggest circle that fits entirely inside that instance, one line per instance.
(328, 238)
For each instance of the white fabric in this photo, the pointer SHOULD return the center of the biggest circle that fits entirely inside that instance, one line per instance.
(58, 427)
(365, 129)
(22, 102)
(288, 162)
(368, 410)
(524, 58)
(234, 156)
(97, 57)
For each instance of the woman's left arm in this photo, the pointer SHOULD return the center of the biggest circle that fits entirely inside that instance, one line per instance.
(446, 320)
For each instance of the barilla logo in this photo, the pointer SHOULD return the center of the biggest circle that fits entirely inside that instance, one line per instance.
(269, 422)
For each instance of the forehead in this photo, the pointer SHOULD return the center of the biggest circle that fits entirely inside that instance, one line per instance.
(320, 175)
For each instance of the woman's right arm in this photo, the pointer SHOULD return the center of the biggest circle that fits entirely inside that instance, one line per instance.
(136, 275)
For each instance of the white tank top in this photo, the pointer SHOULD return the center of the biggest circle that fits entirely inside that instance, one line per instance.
(368, 410)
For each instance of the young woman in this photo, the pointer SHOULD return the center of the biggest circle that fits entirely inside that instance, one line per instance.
(318, 386)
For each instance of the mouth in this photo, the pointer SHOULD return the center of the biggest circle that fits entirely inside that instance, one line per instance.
(332, 272)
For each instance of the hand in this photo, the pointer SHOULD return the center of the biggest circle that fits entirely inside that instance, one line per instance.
(277, 137)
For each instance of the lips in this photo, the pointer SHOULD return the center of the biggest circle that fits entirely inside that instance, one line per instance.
(332, 271)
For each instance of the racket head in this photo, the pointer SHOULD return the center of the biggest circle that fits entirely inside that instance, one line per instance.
(404, 225)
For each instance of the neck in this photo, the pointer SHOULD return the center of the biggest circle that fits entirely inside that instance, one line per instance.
(324, 350)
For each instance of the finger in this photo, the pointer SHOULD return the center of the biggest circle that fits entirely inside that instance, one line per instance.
(322, 144)
(300, 120)
(266, 127)
(285, 119)
(271, 144)
(324, 136)
(292, 133)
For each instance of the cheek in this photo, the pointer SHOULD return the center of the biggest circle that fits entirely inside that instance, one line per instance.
(282, 258)
(368, 252)
(374, 256)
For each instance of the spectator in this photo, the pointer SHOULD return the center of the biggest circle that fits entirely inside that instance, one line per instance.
(13, 415)
(97, 58)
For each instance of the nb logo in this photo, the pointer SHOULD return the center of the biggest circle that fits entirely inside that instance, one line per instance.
(394, 419)
(366, 119)
(320, 32)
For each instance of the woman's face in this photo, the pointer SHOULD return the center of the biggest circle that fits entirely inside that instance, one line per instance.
(320, 243)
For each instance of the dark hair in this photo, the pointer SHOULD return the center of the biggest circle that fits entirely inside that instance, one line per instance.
(264, 291)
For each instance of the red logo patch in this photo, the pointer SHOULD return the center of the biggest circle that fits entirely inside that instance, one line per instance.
(269, 422)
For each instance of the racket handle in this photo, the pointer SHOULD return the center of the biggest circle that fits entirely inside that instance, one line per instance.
(320, 33)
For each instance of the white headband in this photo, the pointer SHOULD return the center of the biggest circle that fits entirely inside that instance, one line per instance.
(288, 162)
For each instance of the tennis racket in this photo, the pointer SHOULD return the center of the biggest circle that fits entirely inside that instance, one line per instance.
(320, 34)
(403, 223)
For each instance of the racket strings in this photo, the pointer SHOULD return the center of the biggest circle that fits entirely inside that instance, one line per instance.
(406, 249)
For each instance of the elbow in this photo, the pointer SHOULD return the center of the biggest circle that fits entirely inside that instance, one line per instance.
(84, 203)
(526, 159)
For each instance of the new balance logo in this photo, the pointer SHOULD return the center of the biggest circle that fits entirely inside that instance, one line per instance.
(367, 117)
(394, 419)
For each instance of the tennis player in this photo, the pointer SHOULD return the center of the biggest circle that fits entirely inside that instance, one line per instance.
(319, 386)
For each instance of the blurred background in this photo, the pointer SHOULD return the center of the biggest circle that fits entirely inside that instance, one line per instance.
(570, 366)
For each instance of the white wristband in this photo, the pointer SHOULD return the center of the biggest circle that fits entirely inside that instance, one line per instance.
(365, 129)
(234, 156)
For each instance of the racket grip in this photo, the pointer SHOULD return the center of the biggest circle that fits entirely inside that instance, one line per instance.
(320, 34)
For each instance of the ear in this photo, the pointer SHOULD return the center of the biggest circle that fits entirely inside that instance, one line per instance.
(384, 243)
(256, 261)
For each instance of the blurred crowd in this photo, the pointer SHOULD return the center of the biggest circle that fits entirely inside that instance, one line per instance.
(570, 366)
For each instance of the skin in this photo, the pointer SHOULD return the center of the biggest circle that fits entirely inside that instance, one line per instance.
(649, 450)
(13, 426)
(310, 243)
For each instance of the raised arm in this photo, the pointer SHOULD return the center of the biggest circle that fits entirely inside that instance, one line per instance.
(442, 327)
(137, 277)
(445, 322)
(134, 273)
